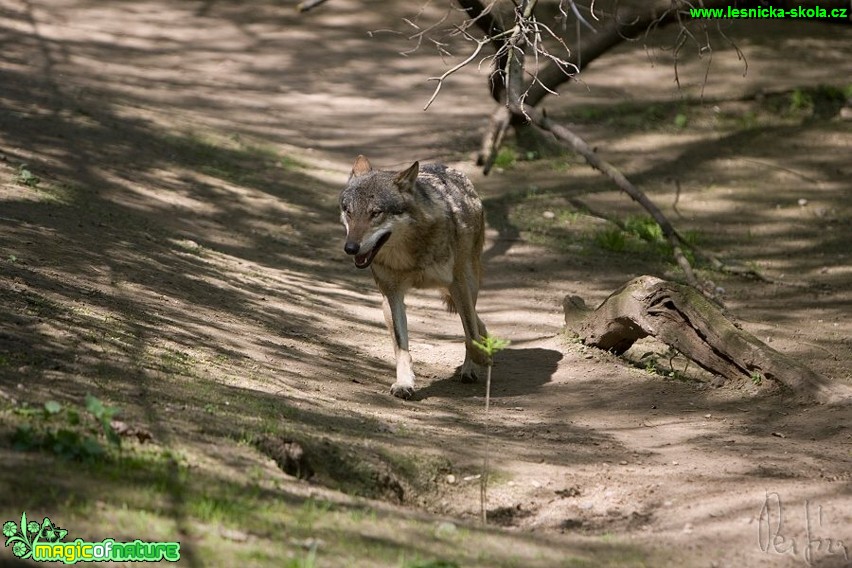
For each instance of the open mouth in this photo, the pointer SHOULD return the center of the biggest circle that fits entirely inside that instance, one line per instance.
(364, 260)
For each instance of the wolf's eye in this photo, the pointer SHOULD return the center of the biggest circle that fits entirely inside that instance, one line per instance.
(375, 213)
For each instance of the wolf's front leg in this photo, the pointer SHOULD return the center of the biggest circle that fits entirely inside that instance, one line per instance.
(393, 306)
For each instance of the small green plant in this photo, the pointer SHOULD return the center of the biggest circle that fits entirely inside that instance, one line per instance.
(645, 228)
(506, 157)
(308, 561)
(612, 240)
(756, 378)
(489, 345)
(800, 100)
(654, 366)
(680, 121)
(65, 431)
(26, 177)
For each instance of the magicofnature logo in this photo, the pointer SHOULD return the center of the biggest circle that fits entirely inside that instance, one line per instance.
(43, 542)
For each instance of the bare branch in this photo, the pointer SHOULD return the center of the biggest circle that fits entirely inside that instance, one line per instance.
(479, 45)
(581, 147)
(309, 5)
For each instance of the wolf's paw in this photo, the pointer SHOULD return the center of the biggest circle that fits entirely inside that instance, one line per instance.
(469, 377)
(402, 391)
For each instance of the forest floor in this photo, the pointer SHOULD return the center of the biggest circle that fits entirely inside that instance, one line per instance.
(170, 247)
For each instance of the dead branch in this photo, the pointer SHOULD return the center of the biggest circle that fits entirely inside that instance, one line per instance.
(309, 5)
(631, 23)
(482, 16)
(683, 319)
(516, 95)
(578, 145)
(498, 125)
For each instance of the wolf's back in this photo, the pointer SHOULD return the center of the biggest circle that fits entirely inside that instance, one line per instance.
(456, 190)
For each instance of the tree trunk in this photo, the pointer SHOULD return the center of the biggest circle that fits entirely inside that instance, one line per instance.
(682, 318)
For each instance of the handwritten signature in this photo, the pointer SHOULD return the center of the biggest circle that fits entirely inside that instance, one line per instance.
(771, 536)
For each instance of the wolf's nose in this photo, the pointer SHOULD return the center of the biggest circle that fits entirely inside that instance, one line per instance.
(351, 248)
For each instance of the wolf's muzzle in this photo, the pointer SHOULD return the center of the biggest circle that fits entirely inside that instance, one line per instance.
(351, 248)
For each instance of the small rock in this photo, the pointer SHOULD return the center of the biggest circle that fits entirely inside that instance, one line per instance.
(802, 202)
(451, 479)
(549, 215)
(445, 528)
(622, 462)
(572, 491)
(687, 528)
(309, 543)
(233, 534)
(675, 462)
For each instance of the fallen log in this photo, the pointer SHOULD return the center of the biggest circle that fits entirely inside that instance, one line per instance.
(682, 318)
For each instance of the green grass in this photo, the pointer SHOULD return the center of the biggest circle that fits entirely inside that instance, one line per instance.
(506, 157)
(229, 159)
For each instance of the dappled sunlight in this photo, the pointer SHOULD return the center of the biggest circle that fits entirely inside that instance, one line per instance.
(171, 244)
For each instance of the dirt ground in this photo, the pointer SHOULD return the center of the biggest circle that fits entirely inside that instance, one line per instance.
(169, 243)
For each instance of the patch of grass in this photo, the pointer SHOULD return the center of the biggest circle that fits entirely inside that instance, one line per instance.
(176, 362)
(800, 100)
(417, 563)
(66, 431)
(506, 157)
(819, 102)
(631, 115)
(662, 364)
(38, 305)
(307, 561)
(230, 159)
(310, 512)
(613, 240)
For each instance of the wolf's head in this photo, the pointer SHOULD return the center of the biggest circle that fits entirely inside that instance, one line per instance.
(372, 205)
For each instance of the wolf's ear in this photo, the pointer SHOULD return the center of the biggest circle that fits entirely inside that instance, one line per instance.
(405, 180)
(360, 167)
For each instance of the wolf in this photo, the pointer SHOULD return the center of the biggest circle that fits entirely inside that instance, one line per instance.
(422, 227)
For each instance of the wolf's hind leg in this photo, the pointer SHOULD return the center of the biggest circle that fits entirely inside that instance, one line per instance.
(474, 329)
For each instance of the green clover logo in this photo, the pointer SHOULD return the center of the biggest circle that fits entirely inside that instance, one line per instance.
(22, 539)
(50, 532)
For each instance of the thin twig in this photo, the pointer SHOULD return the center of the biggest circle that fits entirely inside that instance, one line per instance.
(309, 5)
(479, 45)
(483, 483)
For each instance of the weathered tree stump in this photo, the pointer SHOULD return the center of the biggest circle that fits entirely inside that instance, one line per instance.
(682, 318)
